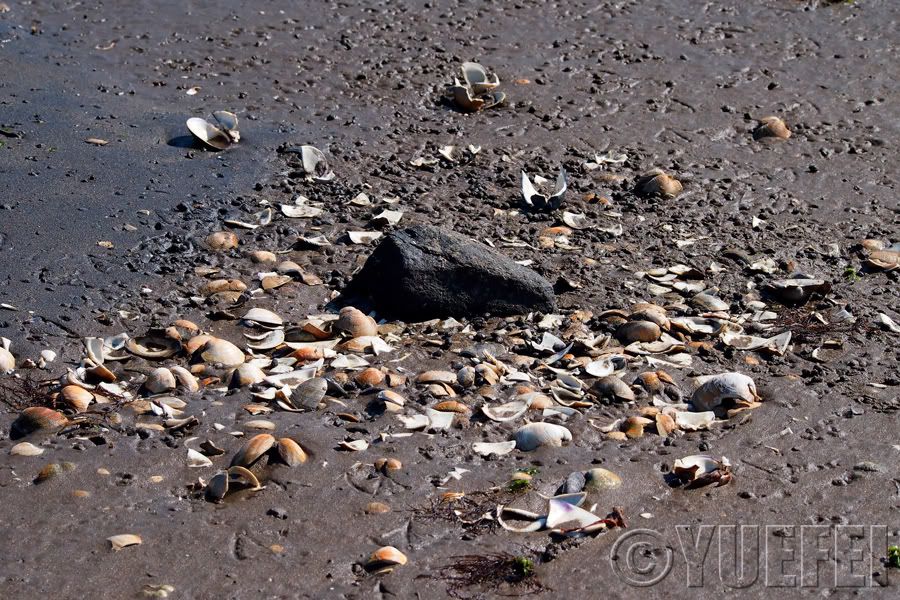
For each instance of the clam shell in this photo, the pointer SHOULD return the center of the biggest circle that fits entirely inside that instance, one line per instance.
(650, 312)
(665, 424)
(310, 393)
(354, 323)
(291, 452)
(728, 386)
(544, 201)
(185, 378)
(222, 240)
(7, 360)
(505, 412)
(462, 96)
(452, 406)
(659, 184)
(598, 479)
(124, 540)
(613, 388)
(535, 435)
(243, 476)
(246, 374)
(263, 317)
(26, 449)
(370, 377)
(771, 127)
(252, 450)
(691, 468)
(498, 448)
(217, 488)
(223, 352)
(796, 291)
(228, 121)
(393, 401)
(77, 398)
(437, 377)
(197, 460)
(385, 558)
(465, 377)
(634, 426)
(886, 260)
(638, 331)
(314, 163)
(208, 133)
(159, 381)
(694, 421)
(386, 465)
(153, 347)
(477, 78)
(38, 417)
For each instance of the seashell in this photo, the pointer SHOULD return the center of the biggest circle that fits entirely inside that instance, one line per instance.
(796, 291)
(535, 435)
(315, 164)
(370, 377)
(208, 133)
(124, 540)
(222, 240)
(223, 285)
(644, 311)
(658, 184)
(543, 200)
(561, 512)
(197, 460)
(197, 342)
(252, 450)
(498, 448)
(698, 469)
(638, 331)
(153, 347)
(101, 373)
(665, 424)
(771, 127)
(612, 388)
(453, 406)
(464, 98)
(633, 427)
(185, 379)
(77, 398)
(598, 479)
(243, 476)
(26, 449)
(436, 377)
(7, 360)
(271, 282)
(465, 377)
(310, 393)
(354, 323)
(386, 465)
(393, 401)
(263, 256)
(477, 78)
(263, 317)
(536, 400)
(160, 380)
(228, 122)
(384, 560)
(260, 424)
(885, 260)
(505, 412)
(354, 445)
(38, 417)
(221, 352)
(377, 508)
(217, 488)
(245, 375)
(707, 302)
(694, 421)
(719, 388)
(291, 452)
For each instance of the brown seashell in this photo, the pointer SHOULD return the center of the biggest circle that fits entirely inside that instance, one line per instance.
(38, 417)
(886, 260)
(644, 311)
(185, 379)
(353, 323)
(384, 559)
(271, 282)
(263, 256)
(393, 401)
(251, 451)
(638, 331)
(395, 379)
(386, 465)
(649, 411)
(650, 382)
(370, 377)
(436, 377)
(223, 285)
(223, 352)
(633, 427)
(453, 406)
(617, 436)
(159, 381)
(540, 401)
(197, 342)
(77, 398)
(872, 245)
(487, 373)
(307, 354)
(612, 388)
(291, 452)
(771, 127)
(245, 375)
(377, 508)
(665, 424)
(659, 184)
(222, 240)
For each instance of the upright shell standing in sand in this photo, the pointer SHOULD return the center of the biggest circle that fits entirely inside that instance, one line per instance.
(477, 90)
(219, 136)
(543, 198)
(717, 389)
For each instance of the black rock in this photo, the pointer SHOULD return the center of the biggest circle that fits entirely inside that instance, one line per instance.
(422, 273)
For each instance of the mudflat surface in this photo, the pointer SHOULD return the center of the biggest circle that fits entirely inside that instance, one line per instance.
(675, 85)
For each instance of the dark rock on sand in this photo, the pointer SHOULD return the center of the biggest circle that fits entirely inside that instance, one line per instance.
(423, 273)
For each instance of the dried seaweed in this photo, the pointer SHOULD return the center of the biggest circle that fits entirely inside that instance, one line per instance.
(501, 573)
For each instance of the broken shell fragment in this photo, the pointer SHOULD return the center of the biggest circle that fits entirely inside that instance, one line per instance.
(26, 449)
(384, 560)
(251, 451)
(634, 426)
(699, 470)
(796, 291)
(228, 122)
(658, 184)
(498, 448)
(543, 199)
(124, 540)
(315, 164)
(716, 390)
(771, 127)
(535, 435)
(291, 452)
(464, 99)
(197, 460)
(153, 347)
(477, 78)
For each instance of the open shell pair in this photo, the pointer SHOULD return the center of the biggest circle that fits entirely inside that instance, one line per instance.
(477, 90)
(219, 136)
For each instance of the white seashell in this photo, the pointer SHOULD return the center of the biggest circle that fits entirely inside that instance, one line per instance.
(197, 460)
(414, 422)
(571, 515)
(694, 421)
(697, 465)
(209, 134)
(271, 340)
(388, 217)
(543, 201)
(477, 78)
(534, 435)
(777, 344)
(355, 445)
(124, 540)
(498, 448)
(505, 412)
(263, 317)
(160, 380)
(439, 420)
(26, 449)
(606, 366)
(363, 237)
(716, 389)
(222, 352)
(315, 164)
(228, 121)
(7, 360)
